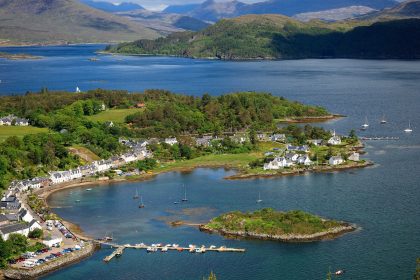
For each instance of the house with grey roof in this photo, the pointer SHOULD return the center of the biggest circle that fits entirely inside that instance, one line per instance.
(16, 228)
(335, 160)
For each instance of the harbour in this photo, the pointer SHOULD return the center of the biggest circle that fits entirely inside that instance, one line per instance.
(118, 252)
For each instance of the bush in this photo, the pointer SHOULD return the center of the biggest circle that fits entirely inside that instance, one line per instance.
(36, 233)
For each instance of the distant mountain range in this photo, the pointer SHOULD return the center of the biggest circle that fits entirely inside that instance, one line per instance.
(165, 22)
(336, 14)
(212, 10)
(53, 21)
(112, 8)
(280, 37)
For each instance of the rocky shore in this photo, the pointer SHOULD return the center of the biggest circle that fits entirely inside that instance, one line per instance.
(299, 171)
(324, 235)
(68, 259)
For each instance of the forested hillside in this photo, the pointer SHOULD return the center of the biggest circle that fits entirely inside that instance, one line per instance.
(279, 37)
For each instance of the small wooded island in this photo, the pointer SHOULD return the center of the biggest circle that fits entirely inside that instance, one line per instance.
(269, 224)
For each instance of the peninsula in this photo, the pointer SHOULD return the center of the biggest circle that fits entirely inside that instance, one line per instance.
(268, 224)
(61, 140)
(17, 56)
(280, 37)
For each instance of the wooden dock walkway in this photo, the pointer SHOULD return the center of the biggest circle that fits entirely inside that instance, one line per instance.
(385, 138)
(118, 252)
(165, 248)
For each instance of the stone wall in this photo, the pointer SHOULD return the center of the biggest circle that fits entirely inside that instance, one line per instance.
(67, 259)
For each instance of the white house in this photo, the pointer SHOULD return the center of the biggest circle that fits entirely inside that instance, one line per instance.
(354, 157)
(102, 165)
(52, 241)
(34, 225)
(21, 122)
(275, 164)
(305, 160)
(129, 157)
(315, 142)
(75, 174)
(334, 140)
(60, 177)
(25, 216)
(335, 160)
(292, 156)
(19, 228)
(278, 137)
(171, 141)
(303, 148)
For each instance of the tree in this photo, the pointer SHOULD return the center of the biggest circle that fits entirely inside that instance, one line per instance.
(417, 273)
(352, 134)
(36, 233)
(253, 137)
(17, 243)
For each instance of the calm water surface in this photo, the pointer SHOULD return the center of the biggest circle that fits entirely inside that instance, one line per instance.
(384, 200)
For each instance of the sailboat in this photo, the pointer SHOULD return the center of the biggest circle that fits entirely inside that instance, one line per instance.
(259, 200)
(108, 237)
(408, 130)
(365, 125)
(136, 195)
(78, 90)
(141, 202)
(185, 194)
(383, 121)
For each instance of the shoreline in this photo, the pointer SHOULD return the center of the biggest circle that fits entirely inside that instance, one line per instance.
(49, 267)
(288, 238)
(45, 193)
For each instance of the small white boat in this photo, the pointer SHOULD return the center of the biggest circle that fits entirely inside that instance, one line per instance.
(78, 90)
(175, 245)
(199, 250)
(339, 272)
(409, 129)
(212, 247)
(383, 121)
(151, 249)
(88, 190)
(259, 200)
(185, 199)
(365, 125)
(164, 249)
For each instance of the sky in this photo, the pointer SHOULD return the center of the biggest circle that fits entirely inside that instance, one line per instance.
(162, 4)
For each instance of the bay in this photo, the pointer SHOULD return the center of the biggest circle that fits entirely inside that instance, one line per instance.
(384, 200)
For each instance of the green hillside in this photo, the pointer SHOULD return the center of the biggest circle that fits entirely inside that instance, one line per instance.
(280, 37)
(45, 21)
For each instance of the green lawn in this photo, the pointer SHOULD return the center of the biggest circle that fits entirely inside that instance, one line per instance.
(20, 131)
(114, 115)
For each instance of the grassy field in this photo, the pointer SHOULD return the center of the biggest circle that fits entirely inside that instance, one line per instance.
(20, 131)
(114, 115)
(239, 161)
(84, 153)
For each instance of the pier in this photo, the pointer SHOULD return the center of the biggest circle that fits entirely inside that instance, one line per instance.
(165, 248)
(118, 252)
(386, 138)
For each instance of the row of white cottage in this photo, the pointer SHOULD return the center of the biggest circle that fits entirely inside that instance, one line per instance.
(99, 166)
(291, 159)
(13, 120)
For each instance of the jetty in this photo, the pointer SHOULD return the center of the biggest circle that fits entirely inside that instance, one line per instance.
(383, 138)
(117, 253)
(165, 248)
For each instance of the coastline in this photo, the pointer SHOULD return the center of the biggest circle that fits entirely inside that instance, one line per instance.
(44, 193)
(88, 250)
(289, 238)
